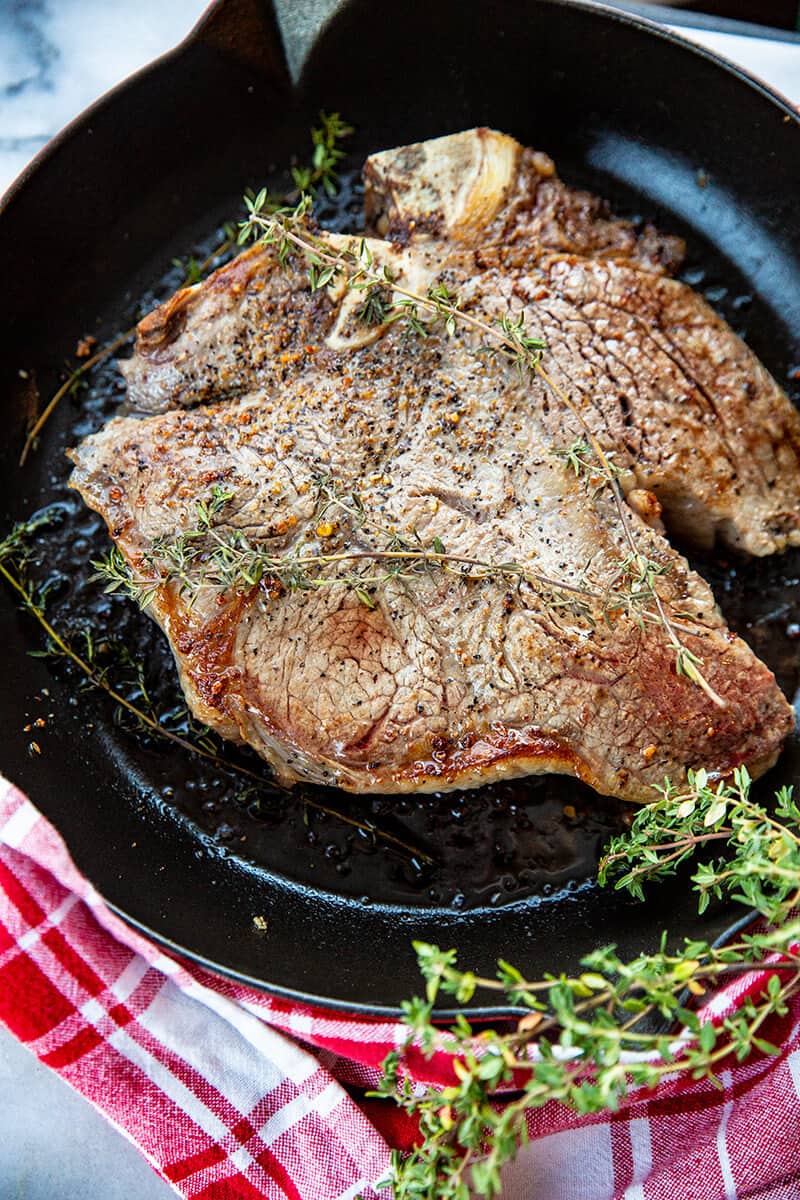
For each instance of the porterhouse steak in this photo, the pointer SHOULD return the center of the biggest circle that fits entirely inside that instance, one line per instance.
(307, 433)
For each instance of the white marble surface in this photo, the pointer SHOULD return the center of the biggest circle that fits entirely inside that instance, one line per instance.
(56, 56)
(775, 62)
(54, 1146)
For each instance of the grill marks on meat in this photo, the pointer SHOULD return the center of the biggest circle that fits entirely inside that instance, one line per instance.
(450, 682)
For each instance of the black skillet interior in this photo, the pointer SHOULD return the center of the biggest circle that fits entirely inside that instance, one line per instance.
(662, 131)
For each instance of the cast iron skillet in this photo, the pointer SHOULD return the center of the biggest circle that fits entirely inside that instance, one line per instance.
(661, 129)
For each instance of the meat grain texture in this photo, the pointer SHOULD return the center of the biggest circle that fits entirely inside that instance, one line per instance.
(282, 397)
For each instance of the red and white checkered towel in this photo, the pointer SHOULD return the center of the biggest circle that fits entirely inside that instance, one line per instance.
(232, 1094)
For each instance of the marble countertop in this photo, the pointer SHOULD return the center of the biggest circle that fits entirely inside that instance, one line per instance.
(56, 56)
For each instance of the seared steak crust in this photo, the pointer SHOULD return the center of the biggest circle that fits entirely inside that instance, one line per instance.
(424, 678)
(446, 682)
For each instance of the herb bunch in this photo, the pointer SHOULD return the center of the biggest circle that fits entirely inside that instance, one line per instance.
(587, 1041)
(386, 300)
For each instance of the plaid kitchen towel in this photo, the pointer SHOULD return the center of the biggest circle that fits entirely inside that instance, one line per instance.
(232, 1094)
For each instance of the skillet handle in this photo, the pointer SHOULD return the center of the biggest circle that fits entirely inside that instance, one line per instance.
(245, 29)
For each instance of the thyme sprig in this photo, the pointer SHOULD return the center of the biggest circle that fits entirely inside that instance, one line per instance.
(287, 229)
(588, 1040)
(588, 460)
(761, 867)
(58, 645)
(327, 153)
(386, 301)
(205, 557)
(321, 172)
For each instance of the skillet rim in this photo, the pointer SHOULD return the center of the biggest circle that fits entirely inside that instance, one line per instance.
(77, 126)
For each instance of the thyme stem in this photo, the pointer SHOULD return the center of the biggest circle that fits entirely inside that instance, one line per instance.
(67, 651)
(68, 383)
(277, 564)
